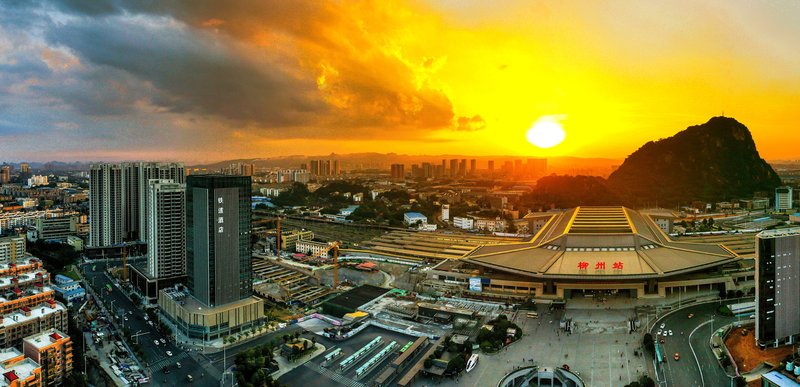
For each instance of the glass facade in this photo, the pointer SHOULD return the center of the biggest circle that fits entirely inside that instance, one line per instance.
(218, 238)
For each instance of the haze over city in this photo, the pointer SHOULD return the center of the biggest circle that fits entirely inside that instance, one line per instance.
(206, 81)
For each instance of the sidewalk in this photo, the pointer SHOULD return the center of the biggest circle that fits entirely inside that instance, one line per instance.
(284, 366)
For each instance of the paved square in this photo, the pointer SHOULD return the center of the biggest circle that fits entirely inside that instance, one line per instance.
(601, 351)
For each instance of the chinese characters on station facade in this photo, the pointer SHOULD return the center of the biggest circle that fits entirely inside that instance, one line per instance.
(220, 219)
(599, 265)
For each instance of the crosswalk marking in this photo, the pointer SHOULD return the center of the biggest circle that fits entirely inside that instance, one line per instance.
(341, 379)
(158, 365)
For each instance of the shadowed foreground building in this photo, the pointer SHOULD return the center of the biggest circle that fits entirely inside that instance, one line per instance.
(219, 271)
(777, 287)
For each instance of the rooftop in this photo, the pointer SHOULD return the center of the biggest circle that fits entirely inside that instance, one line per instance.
(781, 232)
(7, 354)
(39, 311)
(612, 242)
(45, 338)
(19, 370)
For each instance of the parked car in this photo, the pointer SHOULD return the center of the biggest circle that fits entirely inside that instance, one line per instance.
(677, 356)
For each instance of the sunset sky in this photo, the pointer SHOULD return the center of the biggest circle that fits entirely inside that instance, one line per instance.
(203, 80)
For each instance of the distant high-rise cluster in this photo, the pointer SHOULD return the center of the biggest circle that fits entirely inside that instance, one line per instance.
(325, 168)
(117, 199)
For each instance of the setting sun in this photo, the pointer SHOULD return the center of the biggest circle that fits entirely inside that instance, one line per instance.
(546, 132)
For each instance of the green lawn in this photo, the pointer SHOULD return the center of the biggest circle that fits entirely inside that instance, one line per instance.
(71, 273)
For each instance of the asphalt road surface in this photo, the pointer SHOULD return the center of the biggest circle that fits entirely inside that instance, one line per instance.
(156, 355)
(698, 330)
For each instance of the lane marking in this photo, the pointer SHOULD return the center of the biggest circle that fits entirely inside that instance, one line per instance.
(700, 369)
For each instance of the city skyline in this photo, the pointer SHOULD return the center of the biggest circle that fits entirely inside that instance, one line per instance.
(212, 82)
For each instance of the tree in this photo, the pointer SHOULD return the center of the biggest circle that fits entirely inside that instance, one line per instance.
(648, 343)
(305, 345)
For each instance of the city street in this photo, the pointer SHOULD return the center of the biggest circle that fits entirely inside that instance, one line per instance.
(156, 355)
(685, 372)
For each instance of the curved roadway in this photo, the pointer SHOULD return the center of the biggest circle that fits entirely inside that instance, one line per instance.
(698, 365)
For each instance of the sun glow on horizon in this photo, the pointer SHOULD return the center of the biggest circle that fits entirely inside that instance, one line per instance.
(546, 132)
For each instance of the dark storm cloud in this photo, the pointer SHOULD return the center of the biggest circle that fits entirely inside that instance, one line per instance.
(188, 74)
(266, 63)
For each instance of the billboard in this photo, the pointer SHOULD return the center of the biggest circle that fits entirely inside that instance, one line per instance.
(475, 284)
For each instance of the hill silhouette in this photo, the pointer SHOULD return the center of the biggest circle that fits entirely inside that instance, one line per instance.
(717, 160)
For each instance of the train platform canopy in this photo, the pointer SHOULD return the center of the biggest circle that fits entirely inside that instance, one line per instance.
(602, 243)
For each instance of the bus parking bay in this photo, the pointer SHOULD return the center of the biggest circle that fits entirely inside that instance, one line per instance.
(313, 373)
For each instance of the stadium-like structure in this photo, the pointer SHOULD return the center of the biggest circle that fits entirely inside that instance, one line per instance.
(589, 249)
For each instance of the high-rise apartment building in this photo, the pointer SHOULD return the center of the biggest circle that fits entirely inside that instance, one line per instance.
(783, 198)
(25, 168)
(106, 205)
(218, 238)
(490, 166)
(166, 234)
(136, 177)
(5, 174)
(777, 287)
(12, 249)
(18, 370)
(335, 168)
(398, 171)
(462, 168)
(453, 167)
(52, 350)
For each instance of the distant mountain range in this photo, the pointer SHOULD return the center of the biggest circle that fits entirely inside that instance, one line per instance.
(717, 160)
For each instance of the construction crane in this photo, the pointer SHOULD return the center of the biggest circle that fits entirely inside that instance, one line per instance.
(335, 247)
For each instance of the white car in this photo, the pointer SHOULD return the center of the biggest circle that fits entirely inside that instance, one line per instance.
(658, 333)
(670, 332)
(665, 333)
(163, 341)
(156, 342)
(169, 353)
(663, 325)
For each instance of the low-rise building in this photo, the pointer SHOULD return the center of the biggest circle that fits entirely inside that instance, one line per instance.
(290, 238)
(52, 350)
(196, 320)
(18, 370)
(490, 224)
(412, 218)
(75, 242)
(31, 320)
(55, 229)
(311, 247)
(463, 222)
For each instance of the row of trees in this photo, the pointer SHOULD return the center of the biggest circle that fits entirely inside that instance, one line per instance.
(495, 339)
(253, 365)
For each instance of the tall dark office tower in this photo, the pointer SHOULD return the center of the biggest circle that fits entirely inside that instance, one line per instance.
(453, 168)
(218, 238)
(777, 287)
(473, 166)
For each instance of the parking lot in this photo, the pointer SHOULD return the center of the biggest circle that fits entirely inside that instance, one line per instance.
(313, 374)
